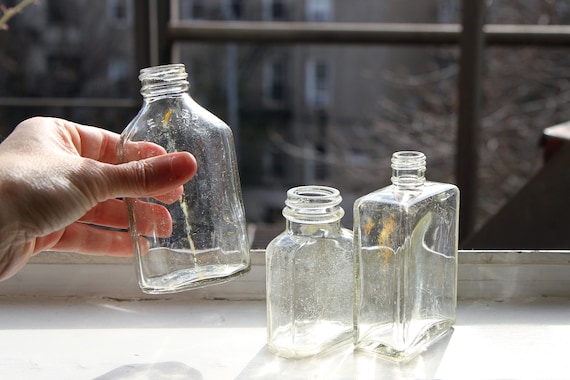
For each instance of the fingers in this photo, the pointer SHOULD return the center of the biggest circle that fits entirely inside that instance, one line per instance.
(139, 150)
(152, 219)
(92, 240)
(171, 196)
(101, 145)
(86, 239)
(83, 140)
(158, 177)
(152, 177)
(111, 213)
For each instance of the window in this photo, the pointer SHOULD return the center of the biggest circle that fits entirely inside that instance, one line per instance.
(233, 9)
(448, 11)
(191, 9)
(55, 12)
(117, 73)
(274, 83)
(274, 10)
(400, 94)
(319, 10)
(317, 84)
(273, 167)
(119, 13)
(65, 75)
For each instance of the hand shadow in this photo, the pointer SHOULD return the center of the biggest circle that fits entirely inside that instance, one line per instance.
(154, 371)
(346, 363)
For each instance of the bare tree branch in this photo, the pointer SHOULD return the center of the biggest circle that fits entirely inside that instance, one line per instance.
(8, 13)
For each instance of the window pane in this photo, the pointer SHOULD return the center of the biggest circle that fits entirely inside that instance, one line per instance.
(68, 49)
(319, 10)
(331, 114)
(525, 91)
(275, 83)
(540, 12)
(347, 110)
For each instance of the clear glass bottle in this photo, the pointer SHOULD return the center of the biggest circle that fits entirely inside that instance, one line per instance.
(406, 239)
(209, 242)
(310, 290)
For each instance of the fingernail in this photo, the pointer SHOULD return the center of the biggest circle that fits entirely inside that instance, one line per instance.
(183, 164)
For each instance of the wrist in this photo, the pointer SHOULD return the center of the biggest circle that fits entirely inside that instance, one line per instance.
(8, 217)
(13, 254)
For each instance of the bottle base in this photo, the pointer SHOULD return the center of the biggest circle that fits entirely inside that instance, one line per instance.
(184, 280)
(398, 354)
(295, 353)
(325, 337)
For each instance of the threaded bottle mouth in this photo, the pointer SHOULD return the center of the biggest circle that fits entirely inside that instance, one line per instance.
(163, 80)
(164, 73)
(313, 204)
(409, 159)
(408, 169)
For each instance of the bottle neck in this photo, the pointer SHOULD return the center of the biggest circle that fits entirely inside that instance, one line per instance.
(311, 210)
(313, 230)
(408, 170)
(164, 81)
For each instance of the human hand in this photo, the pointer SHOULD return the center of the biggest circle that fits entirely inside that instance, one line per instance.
(60, 180)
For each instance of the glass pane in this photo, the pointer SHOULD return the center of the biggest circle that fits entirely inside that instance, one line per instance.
(525, 90)
(379, 99)
(68, 49)
(541, 12)
(388, 98)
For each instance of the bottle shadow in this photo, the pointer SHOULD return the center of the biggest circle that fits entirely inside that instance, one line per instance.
(155, 371)
(346, 363)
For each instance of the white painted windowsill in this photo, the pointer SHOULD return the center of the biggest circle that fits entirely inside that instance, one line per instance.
(86, 321)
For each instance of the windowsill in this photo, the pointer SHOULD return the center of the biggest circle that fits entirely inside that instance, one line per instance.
(90, 337)
(88, 320)
(496, 275)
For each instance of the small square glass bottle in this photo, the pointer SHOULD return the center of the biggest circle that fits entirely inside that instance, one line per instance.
(406, 239)
(310, 266)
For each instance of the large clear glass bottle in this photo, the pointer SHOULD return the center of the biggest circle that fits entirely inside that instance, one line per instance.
(209, 242)
(310, 289)
(406, 238)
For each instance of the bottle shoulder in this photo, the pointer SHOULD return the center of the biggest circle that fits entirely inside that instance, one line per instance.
(288, 240)
(205, 115)
(389, 194)
(177, 115)
(179, 108)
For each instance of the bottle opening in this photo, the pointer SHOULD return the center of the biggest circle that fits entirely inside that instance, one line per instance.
(408, 160)
(408, 169)
(163, 80)
(313, 204)
(164, 73)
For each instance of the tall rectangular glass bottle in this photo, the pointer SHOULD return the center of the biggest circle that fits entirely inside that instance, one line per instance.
(406, 239)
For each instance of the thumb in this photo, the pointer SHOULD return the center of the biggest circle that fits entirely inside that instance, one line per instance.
(152, 176)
